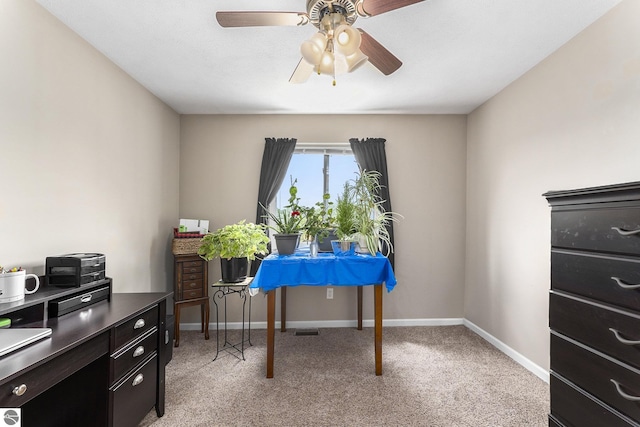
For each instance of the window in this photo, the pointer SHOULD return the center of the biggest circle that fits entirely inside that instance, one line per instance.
(319, 169)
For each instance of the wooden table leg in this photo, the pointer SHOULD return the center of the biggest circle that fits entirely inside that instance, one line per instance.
(271, 330)
(378, 327)
(359, 308)
(283, 309)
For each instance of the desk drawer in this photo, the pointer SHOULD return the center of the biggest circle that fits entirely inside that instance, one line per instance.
(135, 395)
(47, 375)
(135, 327)
(592, 229)
(134, 353)
(570, 403)
(592, 372)
(79, 301)
(590, 324)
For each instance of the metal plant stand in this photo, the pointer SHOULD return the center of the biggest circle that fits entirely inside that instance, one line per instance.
(221, 291)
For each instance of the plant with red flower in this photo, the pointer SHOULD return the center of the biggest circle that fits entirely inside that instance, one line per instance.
(289, 219)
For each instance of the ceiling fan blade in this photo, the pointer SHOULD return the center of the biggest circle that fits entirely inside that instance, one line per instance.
(376, 7)
(302, 72)
(378, 55)
(259, 19)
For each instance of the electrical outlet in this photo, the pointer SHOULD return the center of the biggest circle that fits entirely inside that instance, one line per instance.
(329, 293)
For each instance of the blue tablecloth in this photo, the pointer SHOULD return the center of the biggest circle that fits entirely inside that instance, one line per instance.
(326, 269)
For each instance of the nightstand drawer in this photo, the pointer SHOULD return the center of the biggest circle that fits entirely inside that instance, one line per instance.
(613, 383)
(614, 230)
(134, 353)
(607, 330)
(135, 327)
(604, 278)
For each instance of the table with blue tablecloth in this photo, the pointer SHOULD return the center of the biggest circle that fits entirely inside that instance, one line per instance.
(300, 269)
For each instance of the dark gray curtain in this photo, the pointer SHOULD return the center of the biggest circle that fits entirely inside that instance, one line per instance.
(275, 161)
(371, 155)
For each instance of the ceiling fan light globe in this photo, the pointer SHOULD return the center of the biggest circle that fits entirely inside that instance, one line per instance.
(311, 52)
(356, 60)
(319, 39)
(327, 62)
(347, 39)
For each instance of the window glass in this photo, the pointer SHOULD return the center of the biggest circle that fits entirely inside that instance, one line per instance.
(308, 169)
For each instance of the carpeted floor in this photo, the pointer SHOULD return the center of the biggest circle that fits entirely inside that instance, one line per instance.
(432, 376)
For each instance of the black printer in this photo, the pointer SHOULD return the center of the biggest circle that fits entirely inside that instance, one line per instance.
(75, 270)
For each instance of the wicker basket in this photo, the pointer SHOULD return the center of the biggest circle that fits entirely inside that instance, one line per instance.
(185, 246)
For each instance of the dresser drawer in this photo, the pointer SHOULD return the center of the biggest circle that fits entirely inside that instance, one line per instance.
(134, 353)
(189, 267)
(570, 403)
(593, 229)
(135, 395)
(593, 372)
(604, 278)
(135, 327)
(187, 277)
(193, 293)
(594, 325)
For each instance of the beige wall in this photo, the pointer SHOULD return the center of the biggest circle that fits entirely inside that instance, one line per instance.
(219, 174)
(89, 157)
(572, 121)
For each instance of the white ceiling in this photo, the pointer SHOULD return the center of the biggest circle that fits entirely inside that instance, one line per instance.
(456, 53)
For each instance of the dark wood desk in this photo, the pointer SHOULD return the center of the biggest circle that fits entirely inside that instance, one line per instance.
(84, 373)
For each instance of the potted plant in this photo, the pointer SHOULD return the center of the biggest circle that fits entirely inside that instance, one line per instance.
(371, 219)
(287, 222)
(345, 225)
(316, 222)
(235, 244)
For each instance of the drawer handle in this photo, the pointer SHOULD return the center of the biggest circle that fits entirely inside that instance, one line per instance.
(85, 298)
(624, 285)
(623, 394)
(623, 340)
(138, 352)
(20, 390)
(624, 232)
(139, 378)
(139, 324)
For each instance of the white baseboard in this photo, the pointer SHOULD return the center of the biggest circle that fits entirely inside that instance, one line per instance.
(535, 369)
(538, 371)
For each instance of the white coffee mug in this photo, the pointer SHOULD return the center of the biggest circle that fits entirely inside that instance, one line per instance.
(13, 286)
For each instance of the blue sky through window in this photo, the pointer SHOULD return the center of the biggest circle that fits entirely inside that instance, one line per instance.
(307, 169)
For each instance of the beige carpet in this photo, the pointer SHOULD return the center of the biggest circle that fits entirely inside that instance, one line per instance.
(432, 376)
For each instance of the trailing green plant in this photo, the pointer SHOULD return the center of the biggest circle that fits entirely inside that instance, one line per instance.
(240, 240)
(345, 219)
(371, 218)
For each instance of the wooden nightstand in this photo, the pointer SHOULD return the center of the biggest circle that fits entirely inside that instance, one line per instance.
(190, 288)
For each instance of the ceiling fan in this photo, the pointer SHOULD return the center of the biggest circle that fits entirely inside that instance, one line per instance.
(337, 47)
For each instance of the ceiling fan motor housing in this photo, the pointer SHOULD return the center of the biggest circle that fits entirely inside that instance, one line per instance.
(318, 9)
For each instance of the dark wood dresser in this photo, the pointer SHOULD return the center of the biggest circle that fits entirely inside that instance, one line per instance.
(594, 306)
(190, 288)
